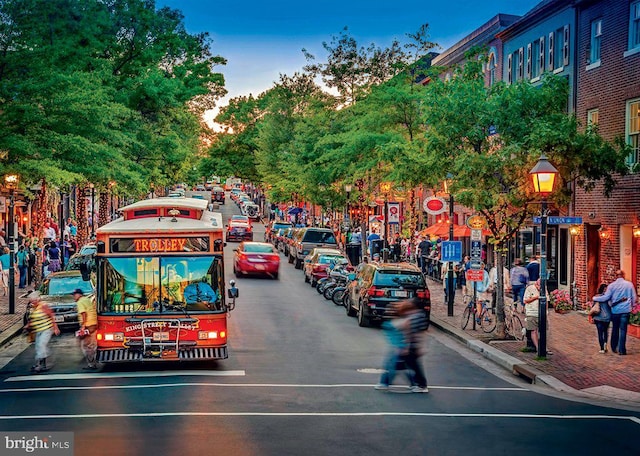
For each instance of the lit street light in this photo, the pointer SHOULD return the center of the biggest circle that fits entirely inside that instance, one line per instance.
(385, 188)
(543, 175)
(11, 181)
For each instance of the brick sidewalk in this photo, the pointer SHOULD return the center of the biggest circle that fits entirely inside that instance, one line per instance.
(572, 340)
(9, 321)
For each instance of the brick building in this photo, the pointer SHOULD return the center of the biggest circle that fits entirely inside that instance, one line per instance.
(608, 95)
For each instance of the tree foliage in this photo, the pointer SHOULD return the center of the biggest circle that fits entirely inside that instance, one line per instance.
(102, 91)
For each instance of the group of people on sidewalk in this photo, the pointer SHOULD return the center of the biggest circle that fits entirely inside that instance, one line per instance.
(41, 325)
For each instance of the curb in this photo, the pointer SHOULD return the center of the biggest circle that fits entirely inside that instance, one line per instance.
(9, 334)
(508, 362)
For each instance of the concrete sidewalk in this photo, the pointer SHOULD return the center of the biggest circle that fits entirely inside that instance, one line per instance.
(574, 366)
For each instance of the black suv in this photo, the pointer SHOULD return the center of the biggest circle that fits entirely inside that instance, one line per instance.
(305, 239)
(377, 285)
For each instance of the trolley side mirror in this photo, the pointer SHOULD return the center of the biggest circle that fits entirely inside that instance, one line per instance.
(233, 291)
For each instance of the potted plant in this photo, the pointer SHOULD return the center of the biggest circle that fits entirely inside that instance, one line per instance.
(561, 301)
(634, 321)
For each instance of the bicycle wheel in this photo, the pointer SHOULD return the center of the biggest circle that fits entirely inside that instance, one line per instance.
(516, 327)
(487, 321)
(466, 315)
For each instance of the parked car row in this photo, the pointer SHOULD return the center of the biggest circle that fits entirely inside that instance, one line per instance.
(366, 292)
(245, 203)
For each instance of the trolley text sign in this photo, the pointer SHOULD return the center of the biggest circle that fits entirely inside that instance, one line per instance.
(159, 245)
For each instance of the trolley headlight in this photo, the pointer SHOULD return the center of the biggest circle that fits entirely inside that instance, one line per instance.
(111, 337)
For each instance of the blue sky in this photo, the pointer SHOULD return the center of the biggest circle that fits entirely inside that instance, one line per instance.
(261, 39)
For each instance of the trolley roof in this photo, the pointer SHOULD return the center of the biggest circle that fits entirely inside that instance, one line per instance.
(167, 222)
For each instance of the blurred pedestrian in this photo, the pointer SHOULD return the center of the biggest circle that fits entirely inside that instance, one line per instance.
(397, 329)
(622, 295)
(55, 263)
(418, 326)
(533, 268)
(88, 327)
(41, 322)
(602, 319)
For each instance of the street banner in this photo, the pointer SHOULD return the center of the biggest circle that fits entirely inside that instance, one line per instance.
(394, 213)
(3, 204)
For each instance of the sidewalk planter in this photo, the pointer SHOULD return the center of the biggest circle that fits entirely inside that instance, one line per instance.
(633, 330)
(562, 311)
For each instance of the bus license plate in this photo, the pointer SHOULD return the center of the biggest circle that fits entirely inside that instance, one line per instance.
(160, 336)
(400, 293)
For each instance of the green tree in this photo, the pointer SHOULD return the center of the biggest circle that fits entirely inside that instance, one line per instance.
(491, 171)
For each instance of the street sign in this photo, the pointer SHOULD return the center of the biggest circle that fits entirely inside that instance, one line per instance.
(554, 220)
(475, 275)
(452, 251)
(476, 221)
(476, 255)
(434, 205)
(476, 235)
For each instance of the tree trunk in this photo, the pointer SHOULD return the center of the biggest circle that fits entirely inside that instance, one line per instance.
(500, 328)
(41, 218)
(83, 227)
(103, 212)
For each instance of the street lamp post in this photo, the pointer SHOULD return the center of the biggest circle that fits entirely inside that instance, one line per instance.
(385, 187)
(543, 175)
(451, 292)
(347, 189)
(11, 181)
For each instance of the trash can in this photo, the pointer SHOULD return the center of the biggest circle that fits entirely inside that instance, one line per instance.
(353, 253)
(376, 246)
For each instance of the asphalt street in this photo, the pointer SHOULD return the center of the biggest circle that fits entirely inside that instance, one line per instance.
(299, 380)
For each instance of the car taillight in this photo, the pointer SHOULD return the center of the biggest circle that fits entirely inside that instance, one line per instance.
(375, 292)
(423, 294)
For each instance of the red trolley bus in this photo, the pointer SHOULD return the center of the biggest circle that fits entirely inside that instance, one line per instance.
(160, 283)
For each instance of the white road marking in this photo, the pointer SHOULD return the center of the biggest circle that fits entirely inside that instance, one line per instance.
(236, 385)
(48, 377)
(320, 414)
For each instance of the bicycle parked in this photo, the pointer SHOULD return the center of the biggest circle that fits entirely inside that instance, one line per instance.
(486, 319)
(512, 323)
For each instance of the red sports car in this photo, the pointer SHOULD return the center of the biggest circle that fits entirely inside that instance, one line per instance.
(256, 258)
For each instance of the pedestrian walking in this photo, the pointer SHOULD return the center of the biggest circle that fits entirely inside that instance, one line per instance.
(41, 322)
(418, 326)
(22, 260)
(55, 262)
(601, 319)
(622, 295)
(533, 268)
(88, 326)
(4, 270)
(397, 330)
(519, 280)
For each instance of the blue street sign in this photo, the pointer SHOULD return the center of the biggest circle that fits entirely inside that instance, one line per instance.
(452, 251)
(553, 220)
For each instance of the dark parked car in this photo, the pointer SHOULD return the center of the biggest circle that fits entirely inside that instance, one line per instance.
(307, 239)
(217, 195)
(239, 231)
(56, 292)
(378, 284)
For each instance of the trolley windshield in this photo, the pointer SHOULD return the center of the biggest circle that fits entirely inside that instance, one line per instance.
(157, 284)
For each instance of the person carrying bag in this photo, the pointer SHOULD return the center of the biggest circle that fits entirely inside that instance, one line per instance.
(600, 315)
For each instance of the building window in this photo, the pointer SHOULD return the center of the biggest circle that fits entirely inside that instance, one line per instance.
(593, 117)
(633, 131)
(551, 51)
(565, 46)
(541, 55)
(535, 53)
(492, 69)
(596, 37)
(634, 26)
(509, 68)
(529, 61)
(520, 63)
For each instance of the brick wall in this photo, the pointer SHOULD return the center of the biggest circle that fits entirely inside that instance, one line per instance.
(606, 88)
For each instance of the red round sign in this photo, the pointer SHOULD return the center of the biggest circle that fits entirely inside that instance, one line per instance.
(434, 205)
